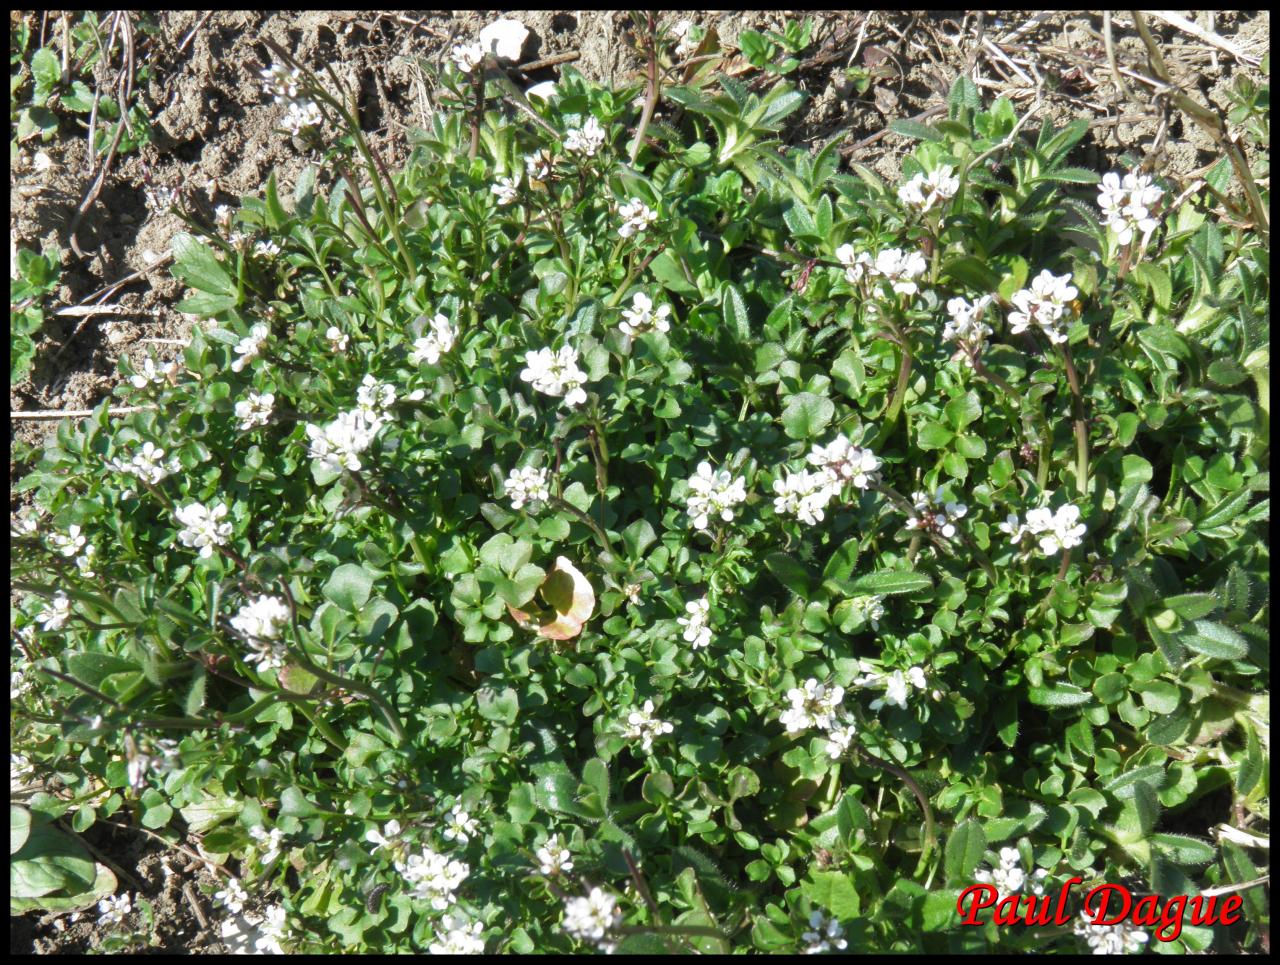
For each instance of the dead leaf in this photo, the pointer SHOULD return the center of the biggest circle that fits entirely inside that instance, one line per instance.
(572, 602)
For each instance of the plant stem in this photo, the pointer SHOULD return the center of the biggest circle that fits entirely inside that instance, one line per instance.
(1081, 427)
(651, 92)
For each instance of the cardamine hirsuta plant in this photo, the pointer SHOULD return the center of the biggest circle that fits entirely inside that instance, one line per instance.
(617, 531)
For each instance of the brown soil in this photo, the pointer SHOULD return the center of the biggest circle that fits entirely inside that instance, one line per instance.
(215, 137)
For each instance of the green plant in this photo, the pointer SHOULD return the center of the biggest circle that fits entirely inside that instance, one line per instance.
(36, 277)
(774, 545)
(762, 49)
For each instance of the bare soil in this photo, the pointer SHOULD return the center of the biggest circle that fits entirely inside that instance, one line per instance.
(215, 137)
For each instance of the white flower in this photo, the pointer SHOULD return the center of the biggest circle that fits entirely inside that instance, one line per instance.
(545, 90)
(1119, 939)
(459, 826)
(870, 607)
(1126, 205)
(813, 705)
(856, 264)
(68, 545)
(271, 842)
(636, 217)
(386, 838)
(586, 139)
(696, 632)
(824, 934)
(900, 268)
(898, 687)
(527, 485)
(298, 116)
(433, 877)
(506, 189)
(222, 216)
(435, 343)
(260, 621)
(113, 908)
(338, 445)
(592, 917)
(1060, 530)
(152, 373)
(504, 39)
(248, 347)
(281, 83)
(553, 857)
(839, 738)
(845, 462)
(203, 527)
(161, 759)
(255, 410)
(53, 616)
(537, 166)
(467, 57)
(924, 191)
(643, 726)
(556, 374)
(336, 338)
(375, 397)
(266, 249)
(147, 463)
(274, 927)
(232, 897)
(1045, 304)
(965, 326)
(935, 515)
(714, 493)
(804, 494)
(84, 562)
(457, 935)
(160, 198)
(641, 316)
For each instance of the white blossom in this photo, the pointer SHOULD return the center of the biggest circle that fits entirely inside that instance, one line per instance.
(812, 705)
(925, 190)
(375, 397)
(222, 216)
(255, 410)
(457, 935)
(147, 463)
(897, 687)
(553, 857)
(203, 527)
(71, 543)
(527, 485)
(844, 462)
(386, 838)
(266, 249)
(506, 189)
(55, 615)
(1118, 939)
(643, 726)
(839, 737)
(1044, 304)
(459, 825)
(636, 217)
(591, 918)
(714, 493)
(587, 139)
(84, 562)
(871, 608)
(152, 373)
(696, 632)
(467, 57)
(232, 897)
(894, 265)
(113, 909)
(259, 621)
(271, 842)
(338, 445)
(433, 877)
(298, 116)
(435, 343)
(537, 166)
(248, 347)
(556, 373)
(546, 90)
(1056, 530)
(824, 935)
(273, 929)
(683, 31)
(641, 316)
(281, 83)
(965, 327)
(336, 338)
(804, 494)
(1127, 205)
(935, 514)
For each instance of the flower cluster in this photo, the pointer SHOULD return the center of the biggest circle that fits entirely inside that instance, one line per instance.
(386, 838)
(255, 410)
(844, 462)
(71, 543)
(203, 527)
(813, 705)
(538, 166)
(457, 935)
(696, 632)
(636, 217)
(587, 139)
(935, 514)
(1009, 878)
(247, 348)
(1121, 938)
(336, 338)
(1055, 530)
(553, 857)
(113, 909)
(232, 897)
(804, 494)
(272, 930)
(1127, 204)
(459, 826)
(435, 343)
(259, 621)
(894, 265)
(591, 918)
(150, 373)
(467, 57)
(644, 727)
(556, 374)
(642, 316)
(526, 486)
(824, 935)
(55, 615)
(338, 445)
(285, 87)
(271, 842)
(147, 463)
(506, 189)
(433, 877)
(714, 493)
(965, 326)
(1045, 304)
(870, 608)
(925, 190)
(897, 685)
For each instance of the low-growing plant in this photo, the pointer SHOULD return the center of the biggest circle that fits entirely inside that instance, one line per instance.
(35, 278)
(537, 551)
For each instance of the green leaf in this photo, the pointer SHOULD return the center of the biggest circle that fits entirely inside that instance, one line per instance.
(292, 802)
(789, 573)
(1252, 764)
(195, 265)
(888, 582)
(1146, 806)
(49, 861)
(1184, 850)
(498, 705)
(94, 668)
(19, 827)
(933, 435)
(1157, 282)
(964, 850)
(735, 312)
(914, 130)
(1060, 694)
(348, 587)
(806, 415)
(1159, 696)
(1192, 606)
(595, 775)
(1110, 688)
(833, 891)
(1214, 640)
(963, 411)
(47, 73)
